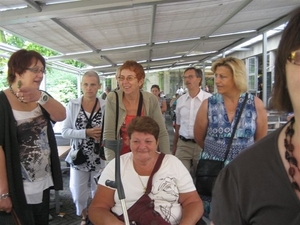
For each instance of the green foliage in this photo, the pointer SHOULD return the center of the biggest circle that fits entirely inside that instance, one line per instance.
(74, 63)
(15, 41)
(44, 51)
(3, 80)
(64, 90)
(2, 37)
(61, 85)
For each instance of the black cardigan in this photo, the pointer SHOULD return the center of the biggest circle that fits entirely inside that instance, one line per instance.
(9, 143)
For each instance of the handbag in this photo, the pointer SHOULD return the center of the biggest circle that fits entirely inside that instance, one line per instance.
(78, 157)
(208, 169)
(142, 212)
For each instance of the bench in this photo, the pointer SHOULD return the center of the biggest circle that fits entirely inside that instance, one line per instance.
(63, 151)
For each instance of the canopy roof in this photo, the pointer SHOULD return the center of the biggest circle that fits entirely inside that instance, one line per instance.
(157, 33)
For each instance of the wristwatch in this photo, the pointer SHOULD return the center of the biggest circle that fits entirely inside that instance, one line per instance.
(43, 99)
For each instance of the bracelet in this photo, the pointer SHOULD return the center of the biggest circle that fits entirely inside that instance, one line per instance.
(4, 196)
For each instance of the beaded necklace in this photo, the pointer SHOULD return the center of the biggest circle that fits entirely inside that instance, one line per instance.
(289, 149)
(14, 93)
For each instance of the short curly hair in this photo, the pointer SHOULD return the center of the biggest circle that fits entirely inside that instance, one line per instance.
(135, 67)
(143, 124)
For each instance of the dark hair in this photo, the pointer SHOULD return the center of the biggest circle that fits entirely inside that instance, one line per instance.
(135, 67)
(197, 71)
(155, 86)
(20, 61)
(290, 41)
(144, 124)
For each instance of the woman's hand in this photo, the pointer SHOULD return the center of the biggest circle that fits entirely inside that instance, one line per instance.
(94, 132)
(28, 94)
(6, 205)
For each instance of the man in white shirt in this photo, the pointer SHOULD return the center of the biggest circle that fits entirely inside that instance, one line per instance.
(184, 146)
(180, 91)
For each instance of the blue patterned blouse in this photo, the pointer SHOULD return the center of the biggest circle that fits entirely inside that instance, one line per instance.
(220, 128)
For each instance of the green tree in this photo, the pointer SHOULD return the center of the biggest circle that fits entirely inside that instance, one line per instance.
(64, 90)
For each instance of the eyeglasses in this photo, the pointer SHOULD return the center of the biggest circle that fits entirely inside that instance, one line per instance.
(188, 77)
(36, 70)
(294, 57)
(129, 78)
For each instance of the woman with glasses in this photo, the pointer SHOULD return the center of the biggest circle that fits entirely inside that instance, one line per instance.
(218, 114)
(261, 186)
(29, 162)
(83, 126)
(132, 102)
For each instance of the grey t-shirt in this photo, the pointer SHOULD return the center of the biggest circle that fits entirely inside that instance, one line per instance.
(255, 188)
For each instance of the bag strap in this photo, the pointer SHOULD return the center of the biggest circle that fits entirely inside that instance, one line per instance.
(235, 126)
(89, 120)
(155, 169)
(101, 135)
(117, 114)
(139, 111)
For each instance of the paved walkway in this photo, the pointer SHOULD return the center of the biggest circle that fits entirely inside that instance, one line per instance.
(67, 214)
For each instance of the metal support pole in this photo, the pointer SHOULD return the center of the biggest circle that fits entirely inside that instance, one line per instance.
(116, 146)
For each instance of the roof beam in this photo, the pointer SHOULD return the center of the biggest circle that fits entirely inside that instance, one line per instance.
(34, 5)
(233, 14)
(74, 34)
(153, 15)
(154, 46)
(108, 60)
(242, 6)
(71, 8)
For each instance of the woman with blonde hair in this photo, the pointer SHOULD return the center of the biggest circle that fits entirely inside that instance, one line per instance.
(218, 114)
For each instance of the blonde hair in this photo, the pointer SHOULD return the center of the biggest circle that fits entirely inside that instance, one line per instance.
(92, 73)
(237, 68)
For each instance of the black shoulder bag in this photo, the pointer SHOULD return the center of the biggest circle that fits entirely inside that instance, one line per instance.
(208, 169)
(102, 152)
